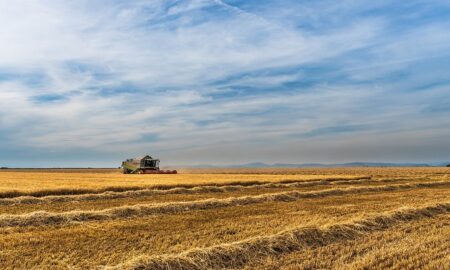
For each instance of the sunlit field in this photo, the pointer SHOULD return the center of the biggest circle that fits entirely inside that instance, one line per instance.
(340, 218)
(41, 181)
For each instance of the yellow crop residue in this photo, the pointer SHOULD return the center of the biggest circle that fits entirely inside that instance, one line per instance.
(336, 218)
(35, 181)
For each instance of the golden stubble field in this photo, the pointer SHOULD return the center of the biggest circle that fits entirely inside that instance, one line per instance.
(340, 218)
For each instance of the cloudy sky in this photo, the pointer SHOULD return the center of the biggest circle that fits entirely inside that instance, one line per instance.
(89, 83)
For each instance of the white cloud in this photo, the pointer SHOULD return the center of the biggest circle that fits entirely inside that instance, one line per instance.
(127, 69)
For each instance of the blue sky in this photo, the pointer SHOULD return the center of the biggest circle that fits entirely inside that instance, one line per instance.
(89, 83)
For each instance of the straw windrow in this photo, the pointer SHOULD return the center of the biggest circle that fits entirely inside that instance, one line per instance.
(201, 189)
(238, 254)
(49, 218)
(118, 189)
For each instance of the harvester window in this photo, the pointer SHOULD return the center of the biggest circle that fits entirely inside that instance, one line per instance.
(150, 163)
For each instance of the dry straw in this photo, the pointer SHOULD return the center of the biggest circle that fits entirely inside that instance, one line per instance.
(117, 189)
(108, 195)
(48, 218)
(238, 254)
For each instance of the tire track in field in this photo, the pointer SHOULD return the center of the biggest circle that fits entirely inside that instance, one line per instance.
(42, 218)
(108, 195)
(81, 191)
(238, 254)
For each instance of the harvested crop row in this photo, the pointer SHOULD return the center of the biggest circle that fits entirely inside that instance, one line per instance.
(238, 254)
(402, 246)
(59, 192)
(180, 190)
(49, 218)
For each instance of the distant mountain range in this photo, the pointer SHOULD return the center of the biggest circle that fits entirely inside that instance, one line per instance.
(321, 165)
(274, 165)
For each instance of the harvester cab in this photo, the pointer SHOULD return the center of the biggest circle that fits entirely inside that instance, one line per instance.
(143, 165)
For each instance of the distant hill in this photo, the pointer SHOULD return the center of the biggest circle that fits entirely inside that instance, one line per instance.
(321, 165)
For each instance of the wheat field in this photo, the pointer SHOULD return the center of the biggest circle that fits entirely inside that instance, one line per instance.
(336, 218)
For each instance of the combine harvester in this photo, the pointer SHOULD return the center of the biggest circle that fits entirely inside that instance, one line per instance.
(143, 165)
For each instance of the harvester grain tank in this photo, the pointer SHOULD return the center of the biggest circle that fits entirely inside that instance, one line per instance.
(143, 165)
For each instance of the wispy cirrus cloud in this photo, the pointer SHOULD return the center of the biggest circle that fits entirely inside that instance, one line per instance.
(222, 81)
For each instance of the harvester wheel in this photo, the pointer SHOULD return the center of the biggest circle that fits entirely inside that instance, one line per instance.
(126, 171)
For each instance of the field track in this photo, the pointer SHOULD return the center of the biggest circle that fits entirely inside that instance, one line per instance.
(328, 219)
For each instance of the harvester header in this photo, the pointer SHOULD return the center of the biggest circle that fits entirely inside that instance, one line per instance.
(143, 165)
